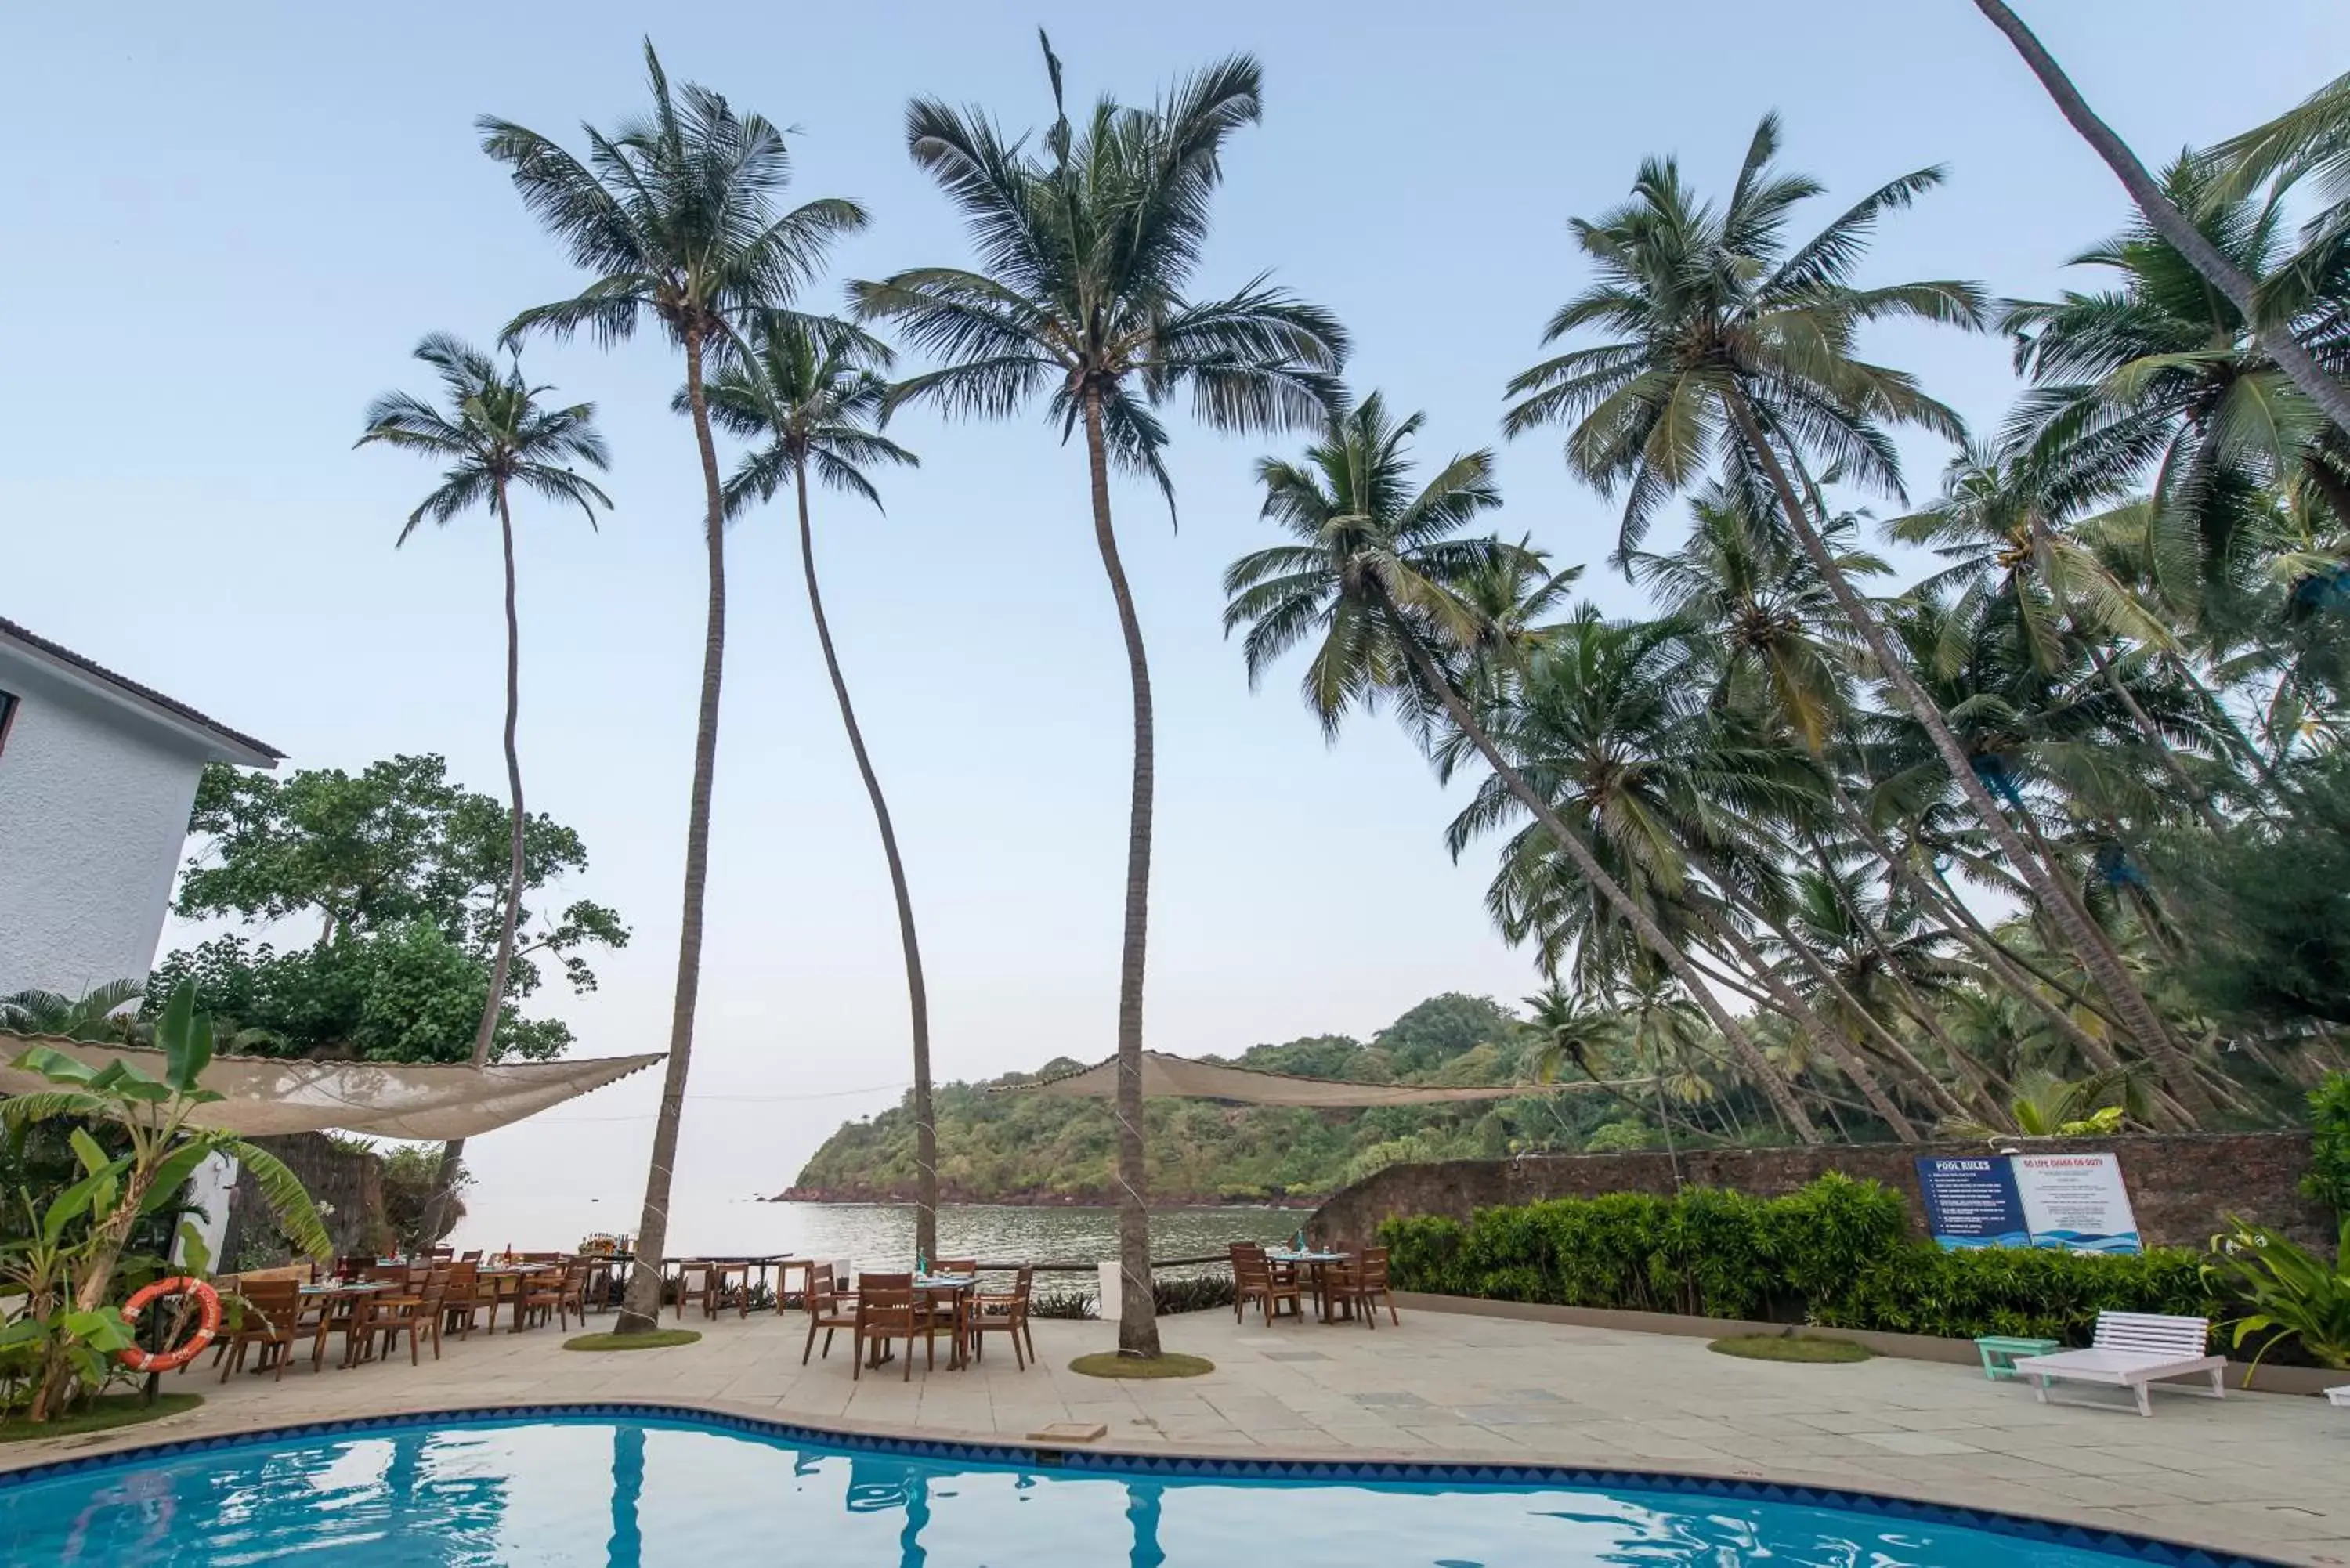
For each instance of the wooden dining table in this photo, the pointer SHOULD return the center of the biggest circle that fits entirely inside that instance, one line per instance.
(1318, 1266)
(955, 1292)
(338, 1301)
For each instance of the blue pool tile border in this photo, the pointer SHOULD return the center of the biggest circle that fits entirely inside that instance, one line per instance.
(2117, 1545)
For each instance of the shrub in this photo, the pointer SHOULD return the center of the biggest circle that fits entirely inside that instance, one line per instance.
(1837, 1254)
(2328, 1180)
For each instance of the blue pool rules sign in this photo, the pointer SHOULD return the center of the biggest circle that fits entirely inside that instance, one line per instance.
(2068, 1202)
(1972, 1202)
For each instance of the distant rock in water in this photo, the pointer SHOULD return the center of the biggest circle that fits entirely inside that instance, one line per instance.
(1044, 1150)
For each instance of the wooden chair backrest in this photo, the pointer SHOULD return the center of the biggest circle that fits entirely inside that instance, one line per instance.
(1249, 1270)
(271, 1305)
(297, 1272)
(885, 1301)
(444, 1254)
(473, 1257)
(464, 1280)
(542, 1257)
(387, 1274)
(822, 1291)
(955, 1266)
(2153, 1334)
(1371, 1268)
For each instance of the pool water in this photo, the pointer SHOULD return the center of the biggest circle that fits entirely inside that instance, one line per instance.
(629, 1494)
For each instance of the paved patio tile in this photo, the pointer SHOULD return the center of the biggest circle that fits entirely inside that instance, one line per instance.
(1917, 1443)
(2259, 1473)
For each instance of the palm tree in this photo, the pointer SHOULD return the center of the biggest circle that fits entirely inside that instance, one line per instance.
(495, 432)
(2000, 523)
(1732, 343)
(810, 390)
(2175, 226)
(1613, 724)
(1372, 573)
(674, 215)
(95, 1015)
(1085, 254)
(2157, 371)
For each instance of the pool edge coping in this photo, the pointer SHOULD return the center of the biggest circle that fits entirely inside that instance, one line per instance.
(1176, 1461)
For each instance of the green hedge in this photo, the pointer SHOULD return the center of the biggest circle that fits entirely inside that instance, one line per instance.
(1837, 1254)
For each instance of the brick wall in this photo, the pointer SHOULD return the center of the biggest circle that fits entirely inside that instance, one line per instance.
(2182, 1187)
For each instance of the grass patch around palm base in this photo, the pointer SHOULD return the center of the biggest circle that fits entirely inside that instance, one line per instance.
(100, 1414)
(1806, 1348)
(1111, 1363)
(659, 1339)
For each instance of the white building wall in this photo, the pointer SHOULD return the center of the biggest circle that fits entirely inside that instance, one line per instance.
(94, 803)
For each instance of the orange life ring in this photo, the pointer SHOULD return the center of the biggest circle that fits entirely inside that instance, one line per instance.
(208, 1321)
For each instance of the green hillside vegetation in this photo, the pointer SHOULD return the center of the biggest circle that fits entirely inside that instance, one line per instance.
(1039, 1148)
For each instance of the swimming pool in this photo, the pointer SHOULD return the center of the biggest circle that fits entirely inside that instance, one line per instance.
(630, 1488)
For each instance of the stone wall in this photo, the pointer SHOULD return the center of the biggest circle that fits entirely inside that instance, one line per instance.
(348, 1181)
(2182, 1187)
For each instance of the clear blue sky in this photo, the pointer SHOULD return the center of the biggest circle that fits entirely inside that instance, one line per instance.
(231, 224)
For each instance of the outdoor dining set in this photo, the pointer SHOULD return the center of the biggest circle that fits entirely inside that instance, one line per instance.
(374, 1304)
(1343, 1285)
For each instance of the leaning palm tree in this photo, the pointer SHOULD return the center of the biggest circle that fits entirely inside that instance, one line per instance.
(495, 432)
(1085, 253)
(1728, 342)
(806, 394)
(2175, 226)
(675, 217)
(1374, 575)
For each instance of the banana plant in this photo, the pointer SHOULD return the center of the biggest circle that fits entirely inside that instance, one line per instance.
(2291, 1291)
(164, 1151)
(44, 1343)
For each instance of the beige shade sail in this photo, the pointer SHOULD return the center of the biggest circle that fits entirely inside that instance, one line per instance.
(266, 1097)
(1180, 1076)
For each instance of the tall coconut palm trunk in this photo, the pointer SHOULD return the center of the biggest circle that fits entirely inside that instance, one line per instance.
(1773, 1083)
(2105, 965)
(2176, 228)
(1138, 1325)
(640, 1309)
(926, 1138)
(1820, 1031)
(453, 1152)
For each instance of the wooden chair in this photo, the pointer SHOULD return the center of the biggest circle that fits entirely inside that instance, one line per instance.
(697, 1281)
(944, 1306)
(1005, 1315)
(828, 1309)
(461, 1303)
(888, 1308)
(391, 1316)
(1362, 1285)
(224, 1286)
(445, 1254)
(1254, 1281)
(267, 1316)
(544, 1295)
(570, 1290)
(473, 1257)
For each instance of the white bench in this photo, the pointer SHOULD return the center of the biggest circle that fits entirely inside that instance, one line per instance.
(2132, 1350)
